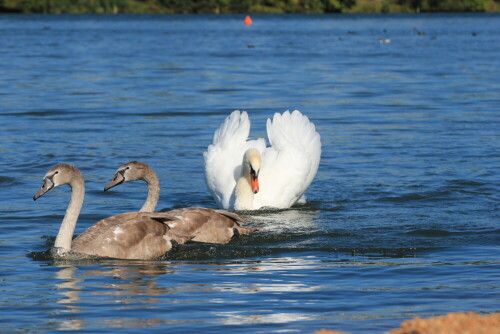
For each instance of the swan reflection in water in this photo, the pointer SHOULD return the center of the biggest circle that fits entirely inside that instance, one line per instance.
(135, 280)
(69, 288)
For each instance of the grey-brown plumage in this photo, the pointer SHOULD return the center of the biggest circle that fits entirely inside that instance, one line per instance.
(133, 235)
(208, 225)
(205, 225)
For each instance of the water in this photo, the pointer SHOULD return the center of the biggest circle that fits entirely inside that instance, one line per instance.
(402, 217)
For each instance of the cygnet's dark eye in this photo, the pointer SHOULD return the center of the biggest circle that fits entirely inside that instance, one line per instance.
(127, 167)
(57, 172)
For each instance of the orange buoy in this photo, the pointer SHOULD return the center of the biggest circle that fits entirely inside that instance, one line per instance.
(248, 20)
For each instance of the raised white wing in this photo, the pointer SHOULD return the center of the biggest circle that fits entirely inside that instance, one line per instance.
(224, 156)
(290, 164)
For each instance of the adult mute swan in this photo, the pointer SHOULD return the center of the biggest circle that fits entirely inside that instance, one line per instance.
(133, 235)
(246, 175)
(206, 225)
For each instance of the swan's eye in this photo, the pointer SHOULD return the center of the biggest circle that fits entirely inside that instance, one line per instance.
(127, 167)
(57, 172)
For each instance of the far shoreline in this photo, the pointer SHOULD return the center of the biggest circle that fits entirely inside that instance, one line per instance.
(251, 7)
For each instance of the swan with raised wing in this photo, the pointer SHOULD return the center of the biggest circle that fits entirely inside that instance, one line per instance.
(204, 224)
(246, 175)
(133, 235)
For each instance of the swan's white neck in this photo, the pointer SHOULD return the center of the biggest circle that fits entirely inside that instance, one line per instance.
(153, 193)
(243, 194)
(65, 235)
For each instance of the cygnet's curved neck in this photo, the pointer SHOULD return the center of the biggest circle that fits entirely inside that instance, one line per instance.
(153, 191)
(65, 235)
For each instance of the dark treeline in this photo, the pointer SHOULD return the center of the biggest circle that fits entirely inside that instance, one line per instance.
(245, 6)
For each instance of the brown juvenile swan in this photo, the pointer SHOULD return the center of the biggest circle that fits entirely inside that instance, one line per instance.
(206, 225)
(133, 235)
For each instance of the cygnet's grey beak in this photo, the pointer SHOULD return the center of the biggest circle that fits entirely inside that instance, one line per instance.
(46, 186)
(119, 179)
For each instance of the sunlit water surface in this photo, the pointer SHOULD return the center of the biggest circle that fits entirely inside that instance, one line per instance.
(402, 217)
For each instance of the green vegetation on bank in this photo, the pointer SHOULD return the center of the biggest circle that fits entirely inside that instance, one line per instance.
(245, 6)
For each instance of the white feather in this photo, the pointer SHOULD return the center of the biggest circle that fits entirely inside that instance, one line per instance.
(288, 165)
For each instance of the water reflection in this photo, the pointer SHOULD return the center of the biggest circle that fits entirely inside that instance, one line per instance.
(117, 287)
(91, 293)
(69, 288)
(132, 281)
(237, 318)
(146, 294)
(275, 264)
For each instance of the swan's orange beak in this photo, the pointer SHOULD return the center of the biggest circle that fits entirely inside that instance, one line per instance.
(254, 184)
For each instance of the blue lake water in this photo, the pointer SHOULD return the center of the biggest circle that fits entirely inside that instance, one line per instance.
(402, 219)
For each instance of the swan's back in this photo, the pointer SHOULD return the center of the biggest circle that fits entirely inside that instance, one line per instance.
(208, 225)
(132, 235)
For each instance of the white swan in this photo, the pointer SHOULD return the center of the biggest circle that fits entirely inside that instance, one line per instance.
(246, 175)
(205, 225)
(133, 235)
